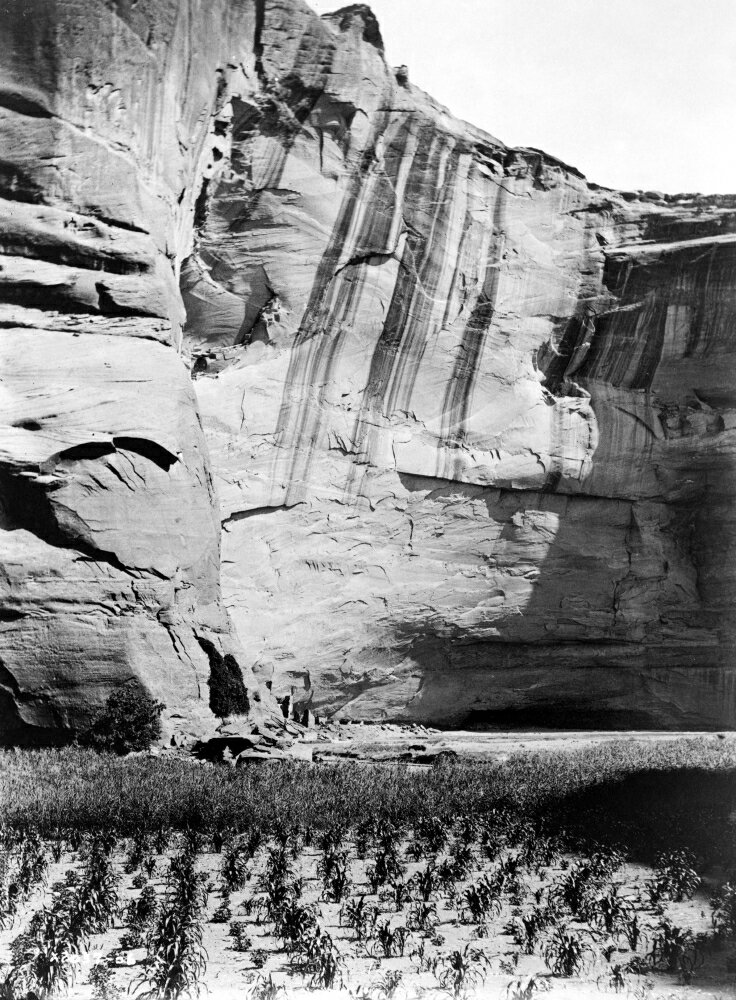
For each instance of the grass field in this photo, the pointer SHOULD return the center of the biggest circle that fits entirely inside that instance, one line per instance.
(572, 874)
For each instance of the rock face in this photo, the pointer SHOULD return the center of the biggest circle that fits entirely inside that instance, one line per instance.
(109, 531)
(470, 419)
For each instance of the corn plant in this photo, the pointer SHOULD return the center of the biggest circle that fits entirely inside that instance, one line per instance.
(581, 883)
(461, 971)
(234, 868)
(293, 924)
(176, 959)
(461, 860)
(265, 988)
(317, 956)
(384, 988)
(424, 960)
(93, 905)
(611, 911)
(103, 988)
(566, 953)
(360, 916)
(481, 901)
(467, 830)
(32, 865)
(675, 877)
(527, 928)
(614, 979)
(526, 989)
(139, 847)
(389, 941)
(387, 866)
(723, 917)
(675, 949)
(278, 869)
(426, 882)
(333, 869)
(139, 915)
(422, 916)
(45, 955)
(223, 913)
(238, 931)
(363, 837)
(398, 894)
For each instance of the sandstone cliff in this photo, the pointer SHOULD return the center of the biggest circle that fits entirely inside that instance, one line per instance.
(469, 418)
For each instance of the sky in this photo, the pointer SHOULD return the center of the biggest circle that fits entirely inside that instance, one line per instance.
(637, 94)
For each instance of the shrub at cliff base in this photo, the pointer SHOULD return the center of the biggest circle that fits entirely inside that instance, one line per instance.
(130, 720)
(227, 690)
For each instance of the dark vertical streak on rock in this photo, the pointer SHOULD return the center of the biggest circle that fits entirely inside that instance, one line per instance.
(258, 39)
(299, 423)
(458, 393)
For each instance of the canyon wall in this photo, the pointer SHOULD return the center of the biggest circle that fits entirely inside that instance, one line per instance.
(109, 531)
(469, 419)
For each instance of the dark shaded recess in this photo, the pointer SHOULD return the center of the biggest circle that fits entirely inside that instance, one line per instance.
(200, 366)
(17, 185)
(200, 205)
(664, 229)
(562, 716)
(9, 615)
(22, 105)
(214, 748)
(554, 363)
(227, 690)
(63, 298)
(57, 297)
(109, 307)
(700, 277)
(13, 730)
(652, 811)
(27, 425)
(28, 505)
(532, 162)
(119, 223)
(489, 154)
(83, 452)
(371, 28)
(150, 450)
(242, 515)
(56, 251)
(298, 96)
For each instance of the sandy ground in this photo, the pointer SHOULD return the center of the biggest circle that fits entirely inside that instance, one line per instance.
(231, 974)
(387, 742)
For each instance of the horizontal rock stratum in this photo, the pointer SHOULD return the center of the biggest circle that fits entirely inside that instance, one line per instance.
(466, 419)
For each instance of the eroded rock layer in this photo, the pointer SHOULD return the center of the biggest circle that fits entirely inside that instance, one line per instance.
(470, 418)
(109, 531)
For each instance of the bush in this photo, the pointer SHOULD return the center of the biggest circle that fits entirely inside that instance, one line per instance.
(130, 720)
(227, 689)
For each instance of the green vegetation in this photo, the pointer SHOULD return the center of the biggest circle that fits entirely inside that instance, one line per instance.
(689, 787)
(130, 720)
(457, 870)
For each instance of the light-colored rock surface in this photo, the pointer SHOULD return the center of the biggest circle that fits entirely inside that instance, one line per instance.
(109, 532)
(469, 418)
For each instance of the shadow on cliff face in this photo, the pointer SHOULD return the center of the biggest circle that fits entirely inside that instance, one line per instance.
(628, 621)
(604, 640)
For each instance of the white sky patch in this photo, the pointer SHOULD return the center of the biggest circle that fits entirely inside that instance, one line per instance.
(638, 94)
